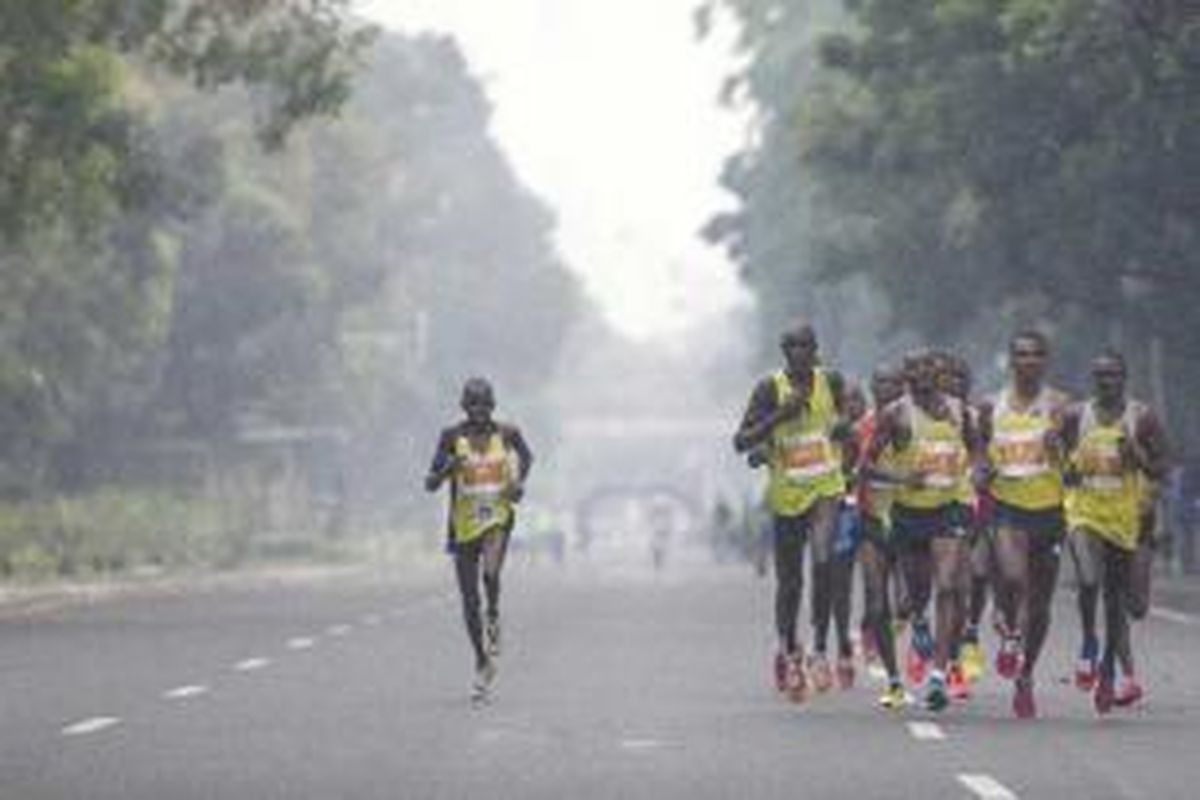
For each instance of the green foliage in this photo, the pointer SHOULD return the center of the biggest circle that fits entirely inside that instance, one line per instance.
(110, 530)
(87, 198)
(988, 163)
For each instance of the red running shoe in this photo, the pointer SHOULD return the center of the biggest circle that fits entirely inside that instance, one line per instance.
(1128, 693)
(1086, 668)
(1008, 658)
(1104, 696)
(1023, 705)
(915, 667)
(957, 685)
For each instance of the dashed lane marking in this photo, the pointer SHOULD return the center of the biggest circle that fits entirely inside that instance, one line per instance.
(371, 619)
(301, 643)
(185, 692)
(640, 744)
(90, 725)
(251, 664)
(339, 630)
(986, 787)
(926, 731)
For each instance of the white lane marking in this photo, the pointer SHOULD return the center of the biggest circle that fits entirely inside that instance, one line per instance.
(339, 630)
(92, 725)
(926, 731)
(640, 744)
(184, 692)
(986, 787)
(301, 643)
(1171, 615)
(371, 619)
(251, 664)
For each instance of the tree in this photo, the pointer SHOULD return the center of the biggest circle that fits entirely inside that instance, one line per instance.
(86, 256)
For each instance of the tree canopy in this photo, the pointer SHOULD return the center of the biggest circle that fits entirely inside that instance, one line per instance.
(983, 164)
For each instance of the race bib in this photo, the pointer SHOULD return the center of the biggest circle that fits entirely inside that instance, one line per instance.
(940, 462)
(807, 457)
(1100, 468)
(1021, 454)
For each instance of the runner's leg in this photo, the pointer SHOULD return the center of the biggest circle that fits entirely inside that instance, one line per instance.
(1044, 557)
(789, 578)
(466, 568)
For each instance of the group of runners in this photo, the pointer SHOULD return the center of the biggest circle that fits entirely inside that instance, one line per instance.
(940, 497)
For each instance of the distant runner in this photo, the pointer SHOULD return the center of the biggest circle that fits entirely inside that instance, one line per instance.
(1116, 446)
(796, 413)
(876, 490)
(968, 663)
(847, 539)
(486, 463)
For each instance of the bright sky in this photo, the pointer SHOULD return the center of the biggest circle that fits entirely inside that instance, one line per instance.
(607, 110)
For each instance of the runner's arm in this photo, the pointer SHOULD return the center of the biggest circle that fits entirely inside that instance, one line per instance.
(759, 419)
(1071, 421)
(843, 430)
(1151, 448)
(444, 462)
(514, 439)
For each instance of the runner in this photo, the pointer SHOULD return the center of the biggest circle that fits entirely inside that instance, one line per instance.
(1022, 428)
(486, 463)
(876, 489)
(796, 413)
(847, 538)
(969, 663)
(933, 439)
(1116, 446)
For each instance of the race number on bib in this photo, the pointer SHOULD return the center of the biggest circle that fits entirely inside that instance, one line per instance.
(1021, 454)
(940, 463)
(807, 457)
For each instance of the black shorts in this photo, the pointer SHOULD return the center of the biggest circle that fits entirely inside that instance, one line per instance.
(1049, 523)
(910, 525)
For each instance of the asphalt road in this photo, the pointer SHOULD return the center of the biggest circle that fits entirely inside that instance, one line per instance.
(615, 683)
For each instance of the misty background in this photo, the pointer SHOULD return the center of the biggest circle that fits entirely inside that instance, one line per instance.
(250, 251)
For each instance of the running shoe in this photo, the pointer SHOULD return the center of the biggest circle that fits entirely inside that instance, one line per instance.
(491, 634)
(485, 676)
(1023, 704)
(822, 676)
(957, 685)
(781, 671)
(1104, 696)
(1128, 693)
(796, 683)
(1008, 658)
(915, 667)
(936, 697)
(894, 697)
(971, 656)
(1086, 668)
(845, 672)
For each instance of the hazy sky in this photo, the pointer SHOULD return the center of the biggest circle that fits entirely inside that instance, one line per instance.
(606, 109)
